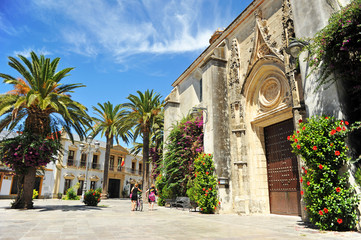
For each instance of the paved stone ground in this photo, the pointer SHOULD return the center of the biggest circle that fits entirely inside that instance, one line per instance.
(59, 219)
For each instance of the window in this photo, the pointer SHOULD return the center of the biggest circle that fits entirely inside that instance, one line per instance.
(119, 168)
(83, 160)
(133, 167)
(111, 163)
(95, 162)
(71, 158)
(92, 185)
(81, 185)
(140, 169)
(200, 90)
(67, 185)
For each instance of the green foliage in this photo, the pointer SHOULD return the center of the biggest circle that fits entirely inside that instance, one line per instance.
(336, 48)
(330, 202)
(203, 188)
(35, 194)
(71, 193)
(184, 143)
(358, 176)
(92, 197)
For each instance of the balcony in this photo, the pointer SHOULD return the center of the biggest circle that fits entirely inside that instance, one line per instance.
(111, 168)
(119, 169)
(95, 166)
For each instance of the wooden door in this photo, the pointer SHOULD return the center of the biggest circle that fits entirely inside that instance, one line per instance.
(282, 170)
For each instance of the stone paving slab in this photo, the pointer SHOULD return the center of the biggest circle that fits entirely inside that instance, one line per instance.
(60, 219)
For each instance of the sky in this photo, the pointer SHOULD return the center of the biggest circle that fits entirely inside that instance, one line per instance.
(117, 47)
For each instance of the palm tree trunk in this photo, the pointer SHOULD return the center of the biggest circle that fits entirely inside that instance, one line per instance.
(145, 163)
(106, 165)
(26, 182)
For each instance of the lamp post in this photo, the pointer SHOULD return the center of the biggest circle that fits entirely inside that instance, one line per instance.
(82, 147)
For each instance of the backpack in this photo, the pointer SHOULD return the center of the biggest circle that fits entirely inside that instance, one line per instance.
(152, 197)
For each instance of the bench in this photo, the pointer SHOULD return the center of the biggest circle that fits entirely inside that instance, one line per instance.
(169, 202)
(183, 202)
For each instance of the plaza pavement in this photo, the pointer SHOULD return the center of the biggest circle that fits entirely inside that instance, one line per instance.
(60, 219)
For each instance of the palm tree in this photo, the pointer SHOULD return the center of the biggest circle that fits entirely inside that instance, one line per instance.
(44, 104)
(109, 122)
(141, 115)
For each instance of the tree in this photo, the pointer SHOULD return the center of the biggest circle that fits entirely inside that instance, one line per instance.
(141, 115)
(110, 123)
(44, 104)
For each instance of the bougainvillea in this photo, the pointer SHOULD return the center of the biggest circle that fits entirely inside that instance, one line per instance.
(203, 189)
(28, 150)
(336, 48)
(184, 143)
(330, 202)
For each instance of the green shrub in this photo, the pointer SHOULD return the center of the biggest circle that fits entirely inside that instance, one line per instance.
(35, 194)
(203, 188)
(92, 197)
(330, 202)
(71, 194)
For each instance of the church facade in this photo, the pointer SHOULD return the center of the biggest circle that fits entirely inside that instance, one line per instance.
(253, 95)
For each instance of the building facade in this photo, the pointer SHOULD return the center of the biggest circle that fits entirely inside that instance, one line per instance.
(253, 95)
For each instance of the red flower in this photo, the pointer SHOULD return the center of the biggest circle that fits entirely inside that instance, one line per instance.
(314, 148)
(204, 163)
(209, 154)
(333, 131)
(204, 189)
(320, 212)
(195, 175)
(339, 221)
(301, 180)
(201, 209)
(301, 192)
(305, 171)
(219, 203)
(296, 140)
(346, 122)
(303, 128)
(337, 153)
(308, 183)
(293, 136)
(331, 144)
(298, 146)
(306, 208)
(93, 193)
(210, 189)
(343, 128)
(326, 117)
(215, 207)
(299, 121)
(219, 182)
(338, 129)
(288, 138)
(341, 122)
(298, 131)
(325, 210)
(320, 166)
(338, 189)
(205, 194)
(207, 173)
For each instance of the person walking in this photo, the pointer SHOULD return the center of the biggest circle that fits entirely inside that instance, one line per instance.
(134, 196)
(151, 198)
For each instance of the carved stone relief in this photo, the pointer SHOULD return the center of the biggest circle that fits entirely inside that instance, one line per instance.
(234, 64)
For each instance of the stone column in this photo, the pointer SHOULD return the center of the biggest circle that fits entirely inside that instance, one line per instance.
(216, 132)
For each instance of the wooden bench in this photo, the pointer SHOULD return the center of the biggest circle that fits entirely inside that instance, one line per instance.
(183, 202)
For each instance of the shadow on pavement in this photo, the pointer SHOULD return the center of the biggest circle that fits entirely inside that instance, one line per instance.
(64, 208)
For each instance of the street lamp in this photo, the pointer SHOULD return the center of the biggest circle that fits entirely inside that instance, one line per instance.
(195, 112)
(295, 47)
(82, 148)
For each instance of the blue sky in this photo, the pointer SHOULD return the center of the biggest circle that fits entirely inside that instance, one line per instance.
(116, 46)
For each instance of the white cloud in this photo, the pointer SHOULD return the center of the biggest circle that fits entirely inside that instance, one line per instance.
(126, 28)
(26, 52)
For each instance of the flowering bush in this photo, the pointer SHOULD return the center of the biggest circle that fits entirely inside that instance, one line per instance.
(92, 197)
(184, 143)
(35, 194)
(336, 48)
(71, 193)
(330, 202)
(28, 150)
(204, 186)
